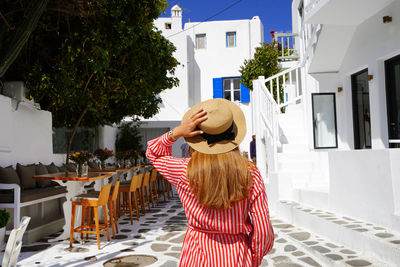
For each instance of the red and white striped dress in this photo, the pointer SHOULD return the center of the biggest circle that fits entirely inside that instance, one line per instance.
(240, 236)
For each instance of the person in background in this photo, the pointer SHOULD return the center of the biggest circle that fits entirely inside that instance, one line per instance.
(253, 154)
(223, 194)
(185, 149)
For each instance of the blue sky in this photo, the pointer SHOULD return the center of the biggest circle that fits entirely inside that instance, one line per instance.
(274, 14)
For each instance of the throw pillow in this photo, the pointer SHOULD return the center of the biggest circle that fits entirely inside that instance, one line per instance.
(25, 173)
(9, 176)
(41, 169)
(62, 168)
(71, 167)
(52, 168)
(93, 165)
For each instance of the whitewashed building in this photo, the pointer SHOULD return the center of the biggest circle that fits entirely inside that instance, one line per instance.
(210, 55)
(329, 150)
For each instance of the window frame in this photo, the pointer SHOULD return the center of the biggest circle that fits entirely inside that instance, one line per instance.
(205, 40)
(232, 88)
(227, 39)
(168, 25)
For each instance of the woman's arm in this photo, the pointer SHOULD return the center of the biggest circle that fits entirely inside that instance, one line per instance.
(262, 237)
(159, 150)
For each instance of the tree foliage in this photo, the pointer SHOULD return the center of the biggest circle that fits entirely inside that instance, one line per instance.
(128, 137)
(264, 63)
(96, 67)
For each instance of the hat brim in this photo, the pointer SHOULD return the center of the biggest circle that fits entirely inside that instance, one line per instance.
(198, 143)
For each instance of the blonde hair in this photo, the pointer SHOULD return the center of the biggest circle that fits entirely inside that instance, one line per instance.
(219, 180)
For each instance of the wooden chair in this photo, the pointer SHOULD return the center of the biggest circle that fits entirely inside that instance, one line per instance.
(144, 192)
(168, 187)
(128, 191)
(14, 244)
(161, 186)
(112, 210)
(135, 195)
(88, 202)
(153, 186)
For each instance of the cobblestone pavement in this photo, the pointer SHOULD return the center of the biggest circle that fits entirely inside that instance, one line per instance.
(157, 238)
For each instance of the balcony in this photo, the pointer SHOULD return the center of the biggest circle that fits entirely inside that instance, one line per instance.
(342, 12)
(289, 54)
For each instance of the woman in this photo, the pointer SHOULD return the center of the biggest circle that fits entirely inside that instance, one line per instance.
(222, 193)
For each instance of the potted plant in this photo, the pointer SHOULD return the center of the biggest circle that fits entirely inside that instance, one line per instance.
(103, 155)
(120, 158)
(4, 216)
(81, 158)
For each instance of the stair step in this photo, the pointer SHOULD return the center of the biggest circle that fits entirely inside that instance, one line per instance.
(371, 239)
(296, 245)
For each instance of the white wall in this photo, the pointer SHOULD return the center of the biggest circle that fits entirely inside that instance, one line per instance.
(216, 60)
(199, 66)
(371, 44)
(175, 100)
(363, 185)
(25, 134)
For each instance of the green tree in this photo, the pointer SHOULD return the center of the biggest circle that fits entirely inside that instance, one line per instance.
(128, 137)
(95, 69)
(264, 63)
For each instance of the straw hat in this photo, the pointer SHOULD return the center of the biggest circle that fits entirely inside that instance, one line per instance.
(224, 128)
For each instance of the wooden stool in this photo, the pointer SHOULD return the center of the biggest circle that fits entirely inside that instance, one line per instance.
(127, 192)
(87, 202)
(144, 192)
(153, 186)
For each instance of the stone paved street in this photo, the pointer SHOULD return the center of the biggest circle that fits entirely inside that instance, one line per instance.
(156, 241)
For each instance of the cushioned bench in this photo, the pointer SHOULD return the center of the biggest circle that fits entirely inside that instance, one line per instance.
(18, 189)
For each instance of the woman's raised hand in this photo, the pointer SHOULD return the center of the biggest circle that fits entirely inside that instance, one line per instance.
(188, 128)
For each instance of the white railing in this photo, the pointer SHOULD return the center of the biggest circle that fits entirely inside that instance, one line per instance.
(287, 42)
(269, 97)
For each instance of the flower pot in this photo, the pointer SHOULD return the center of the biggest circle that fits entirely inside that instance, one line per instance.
(103, 164)
(2, 236)
(82, 169)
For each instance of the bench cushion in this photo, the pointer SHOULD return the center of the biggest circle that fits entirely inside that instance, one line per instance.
(9, 176)
(41, 169)
(52, 168)
(33, 194)
(62, 168)
(25, 173)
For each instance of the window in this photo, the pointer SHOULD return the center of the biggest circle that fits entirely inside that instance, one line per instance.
(231, 39)
(200, 41)
(232, 89)
(324, 120)
(85, 139)
(168, 26)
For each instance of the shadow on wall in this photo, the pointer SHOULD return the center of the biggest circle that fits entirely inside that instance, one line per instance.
(194, 74)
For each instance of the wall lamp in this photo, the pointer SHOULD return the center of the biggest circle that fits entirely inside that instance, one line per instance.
(387, 19)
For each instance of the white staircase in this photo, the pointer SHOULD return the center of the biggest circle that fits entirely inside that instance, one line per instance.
(297, 176)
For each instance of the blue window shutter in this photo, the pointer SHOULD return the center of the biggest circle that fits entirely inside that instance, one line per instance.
(218, 92)
(244, 94)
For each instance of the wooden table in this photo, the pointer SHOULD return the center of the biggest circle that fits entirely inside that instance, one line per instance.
(75, 186)
(118, 172)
